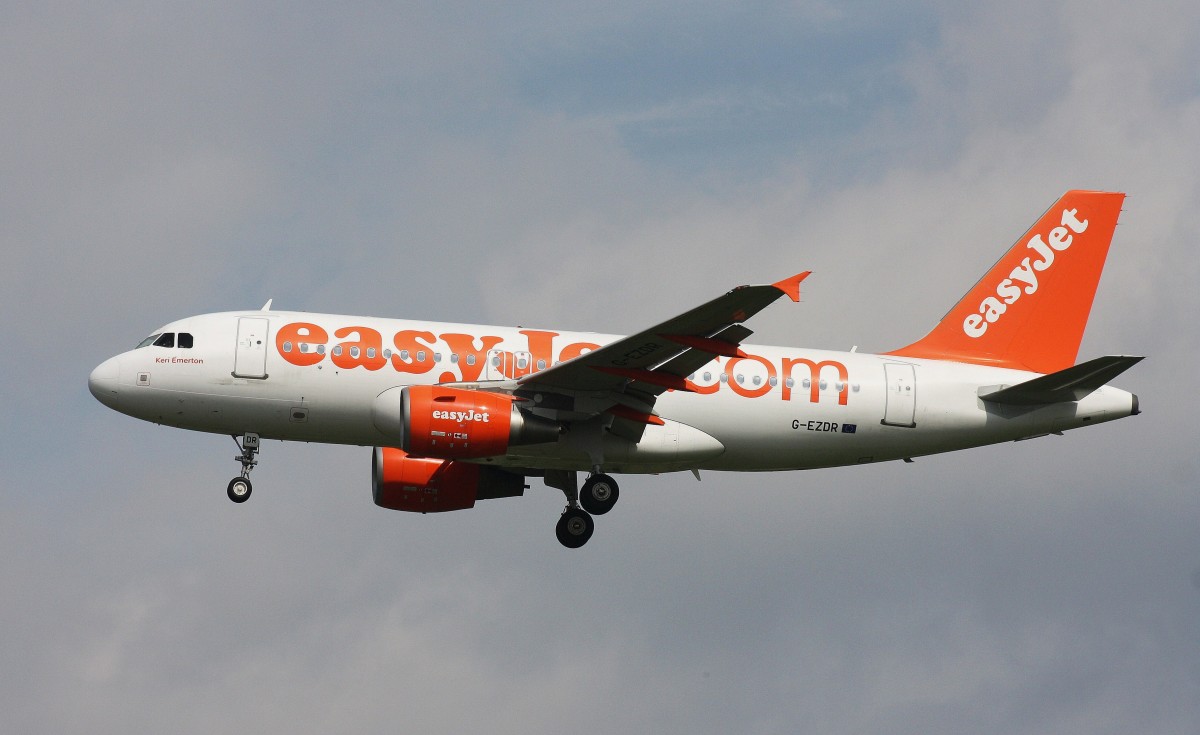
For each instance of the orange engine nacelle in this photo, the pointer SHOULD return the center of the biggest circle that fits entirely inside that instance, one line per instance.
(453, 423)
(427, 485)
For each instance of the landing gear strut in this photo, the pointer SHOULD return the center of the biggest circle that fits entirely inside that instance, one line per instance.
(239, 487)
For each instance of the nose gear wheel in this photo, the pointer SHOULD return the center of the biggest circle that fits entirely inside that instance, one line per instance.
(239, 488)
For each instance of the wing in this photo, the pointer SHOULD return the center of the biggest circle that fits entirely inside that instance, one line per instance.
(625, 377)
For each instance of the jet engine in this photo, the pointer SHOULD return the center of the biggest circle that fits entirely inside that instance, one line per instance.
(428, 485)
(452, 423)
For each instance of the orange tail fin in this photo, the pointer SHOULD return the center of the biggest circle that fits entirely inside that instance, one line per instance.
(1030, 310)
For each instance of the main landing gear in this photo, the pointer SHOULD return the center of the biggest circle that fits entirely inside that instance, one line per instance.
(239, 487)
(574, 528)
(598, 496)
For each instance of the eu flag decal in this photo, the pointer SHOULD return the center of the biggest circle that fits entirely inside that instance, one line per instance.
(849, 428)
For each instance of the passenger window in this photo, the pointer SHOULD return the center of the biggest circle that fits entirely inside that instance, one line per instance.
(167, 339)
(185, 340)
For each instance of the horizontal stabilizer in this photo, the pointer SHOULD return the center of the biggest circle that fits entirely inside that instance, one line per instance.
(1073, 384)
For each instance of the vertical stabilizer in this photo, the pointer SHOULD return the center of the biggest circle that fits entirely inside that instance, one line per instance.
(1030, 310)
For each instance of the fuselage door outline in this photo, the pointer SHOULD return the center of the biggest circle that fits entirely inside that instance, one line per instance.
(901, 406)
(250, 357)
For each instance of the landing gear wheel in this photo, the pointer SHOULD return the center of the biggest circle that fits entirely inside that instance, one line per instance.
(239, 489)
(574, 528)
(599, 494)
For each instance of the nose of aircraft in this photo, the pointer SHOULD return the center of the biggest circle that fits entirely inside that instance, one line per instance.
(104, 380)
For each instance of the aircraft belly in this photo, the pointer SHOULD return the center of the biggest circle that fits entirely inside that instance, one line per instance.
(772, 434)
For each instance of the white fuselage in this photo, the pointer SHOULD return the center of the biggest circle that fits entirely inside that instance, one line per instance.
(779, 408)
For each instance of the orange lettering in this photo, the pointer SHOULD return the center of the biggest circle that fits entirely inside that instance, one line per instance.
(289, 338)
(541, 347)
(420, 354)
(471, 360)
(704, 390)
(512, 365)
(814, 375)
(367, 351)
(576, 350)
(742, 390)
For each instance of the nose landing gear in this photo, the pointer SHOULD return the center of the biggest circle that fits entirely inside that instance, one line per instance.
(239, 488)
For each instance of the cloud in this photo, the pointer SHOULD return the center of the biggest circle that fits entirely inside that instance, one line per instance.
(595, 168)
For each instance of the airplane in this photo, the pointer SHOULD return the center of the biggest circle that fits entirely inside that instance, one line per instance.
(457, 413)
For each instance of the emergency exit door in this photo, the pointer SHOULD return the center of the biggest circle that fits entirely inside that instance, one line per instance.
(901, 407)
(250, 357)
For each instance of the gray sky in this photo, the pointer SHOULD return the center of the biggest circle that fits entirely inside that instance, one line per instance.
(599, 167)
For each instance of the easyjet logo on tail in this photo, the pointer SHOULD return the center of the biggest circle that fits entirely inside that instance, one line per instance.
(1023, 279)
(1052, 270)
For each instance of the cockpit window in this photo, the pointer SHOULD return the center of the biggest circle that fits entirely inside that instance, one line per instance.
(167, 339)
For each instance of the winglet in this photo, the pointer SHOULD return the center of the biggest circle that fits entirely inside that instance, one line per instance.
(791, 286)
